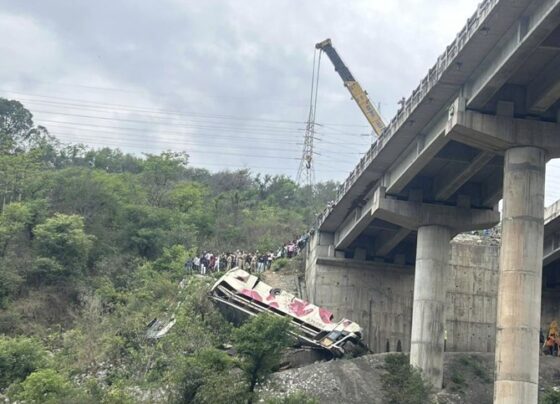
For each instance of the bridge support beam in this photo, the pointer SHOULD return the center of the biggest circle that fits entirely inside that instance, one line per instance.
(435, 224)
(526, 145)
(428, 309)
(519, 290)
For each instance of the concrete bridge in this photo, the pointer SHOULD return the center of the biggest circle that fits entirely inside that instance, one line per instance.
(479, 127)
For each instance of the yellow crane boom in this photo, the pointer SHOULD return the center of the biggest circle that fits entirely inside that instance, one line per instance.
(358, 94)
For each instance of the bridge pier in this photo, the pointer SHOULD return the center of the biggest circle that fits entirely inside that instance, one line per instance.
(428, 311)
(519, 290)
(526, 144)
(435, 225)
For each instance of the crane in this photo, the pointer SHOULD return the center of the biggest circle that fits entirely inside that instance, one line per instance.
(358, 94)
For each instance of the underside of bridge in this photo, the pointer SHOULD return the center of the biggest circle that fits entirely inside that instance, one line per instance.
(479, 128)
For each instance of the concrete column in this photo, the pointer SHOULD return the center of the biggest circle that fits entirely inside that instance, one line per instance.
(519, 290)
(428, 309)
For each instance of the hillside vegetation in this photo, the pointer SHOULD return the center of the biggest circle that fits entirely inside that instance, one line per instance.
(92, 247)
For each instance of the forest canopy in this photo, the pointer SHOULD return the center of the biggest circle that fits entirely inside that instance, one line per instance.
(92, 246)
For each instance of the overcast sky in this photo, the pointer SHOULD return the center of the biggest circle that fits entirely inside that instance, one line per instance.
(226, 81)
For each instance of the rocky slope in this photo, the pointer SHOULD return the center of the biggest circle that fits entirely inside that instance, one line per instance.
(468, 378)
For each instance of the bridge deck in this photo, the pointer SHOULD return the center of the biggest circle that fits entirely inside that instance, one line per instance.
(495, 57)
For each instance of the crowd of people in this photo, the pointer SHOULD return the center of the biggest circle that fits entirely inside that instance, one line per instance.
(253, 262)
(551, 343)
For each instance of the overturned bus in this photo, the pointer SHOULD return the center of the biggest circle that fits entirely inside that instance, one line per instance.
(312, 325)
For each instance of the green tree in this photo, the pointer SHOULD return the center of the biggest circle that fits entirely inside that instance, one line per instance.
(19, 357)
(15, 172)
(172, 260)
(10, 282)
(260, 342)
(228, 181)
(207, 378)
(13, 220)
(62, 238)
(147, 230)
(188, 196)
(15, 124)
(160, 172)
(113, 161)
(283, 192)
(43, 147)
(47, 386)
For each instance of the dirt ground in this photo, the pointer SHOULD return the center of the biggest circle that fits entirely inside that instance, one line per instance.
(288, 279)
(468, 378)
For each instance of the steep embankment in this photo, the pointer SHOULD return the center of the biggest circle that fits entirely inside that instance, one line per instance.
(290, 278)
(468, 378)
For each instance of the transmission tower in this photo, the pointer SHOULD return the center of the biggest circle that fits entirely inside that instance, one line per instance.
(306, 171)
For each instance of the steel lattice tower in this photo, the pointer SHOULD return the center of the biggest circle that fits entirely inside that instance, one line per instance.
(306, 170)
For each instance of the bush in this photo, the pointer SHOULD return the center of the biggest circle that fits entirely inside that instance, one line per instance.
(279, 264)
(293, 398)
(551, 397)
(10, 282)
(208, 377)
(47, 386)
(172, 260)
(403, 384)
(116, 395)
(19, 357)
(471, 363)
(62, 239)
(260, 342)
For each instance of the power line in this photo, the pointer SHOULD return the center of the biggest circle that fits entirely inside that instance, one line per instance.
(258, 167)
(251, 128)
(130, 108)
(176, 124)
(118, 127)
(118, 130)
(87, 138)
(175, 140)
(195, 122)
(90, 105)
(211, 152)
(138, 145)
(114, 89)
(168, 134)
(132, 141)
(216, 164)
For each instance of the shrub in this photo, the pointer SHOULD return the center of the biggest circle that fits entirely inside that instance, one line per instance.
(471, 363)
(294, 398)
(208, 377)
(279, 264)
(260, 342)
(62, 239)
(172, 260)
(47, 386)
(551, 397)
(403, 384)
(19, 357)
(10, 282)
